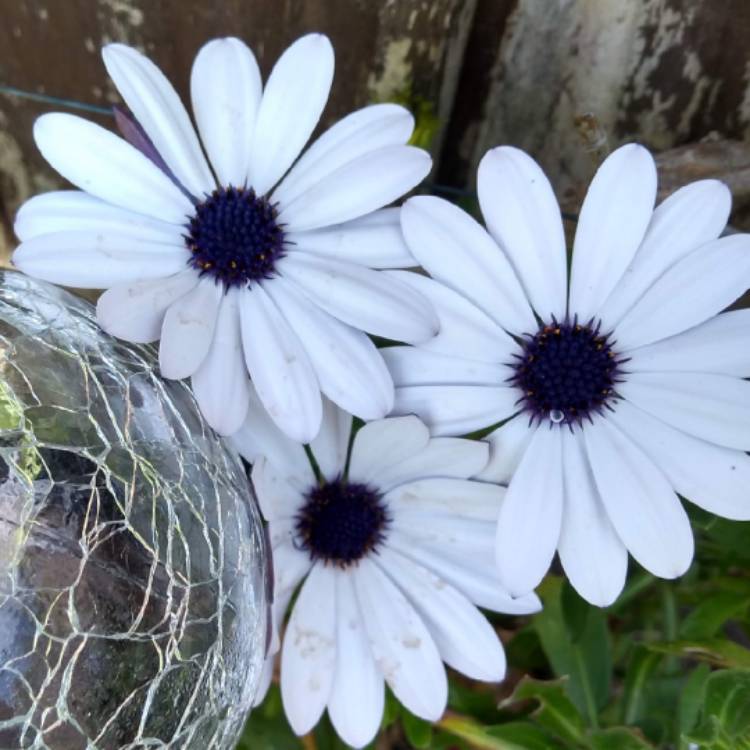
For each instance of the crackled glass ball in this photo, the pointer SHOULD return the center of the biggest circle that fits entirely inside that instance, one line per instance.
(133, 566)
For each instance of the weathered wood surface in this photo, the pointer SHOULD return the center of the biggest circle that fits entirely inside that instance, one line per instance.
(407, 50)
(665, 72)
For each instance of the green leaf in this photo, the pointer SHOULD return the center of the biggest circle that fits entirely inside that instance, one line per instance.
(575, 611)
(618, 738)
(555, 711)
(267, 727)
(476, 735)
(692, 697)
(584, 657)
(418, 731)
(727, 697)
(708, 618)
(642, 665)
(478, 701)
(716, 651)
(525, 735)
(391, 710)
(706, 734)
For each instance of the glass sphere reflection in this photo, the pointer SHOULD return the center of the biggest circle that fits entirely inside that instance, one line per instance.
(133, 567)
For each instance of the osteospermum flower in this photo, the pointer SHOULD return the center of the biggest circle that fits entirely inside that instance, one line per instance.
(614, 389)
(393, 547)
(238, 263)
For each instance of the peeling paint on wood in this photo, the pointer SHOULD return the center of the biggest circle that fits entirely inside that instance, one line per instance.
(664, 72)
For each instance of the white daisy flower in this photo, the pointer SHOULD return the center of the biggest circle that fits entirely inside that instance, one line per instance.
(615, 390)
(393, 546)
(238, 263)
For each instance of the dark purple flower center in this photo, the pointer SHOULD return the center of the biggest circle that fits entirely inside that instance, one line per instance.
(235, 237)
(341, 522)
(566, 372)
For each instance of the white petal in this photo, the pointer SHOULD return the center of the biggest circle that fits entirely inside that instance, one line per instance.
(135, 311)
(226, 89)
(452, 532)
(308, 656)
(401, 644)
(508, 443)
(369, 300)
(294, 98)
(357, 134)
(281, 599)
(614, 216)
(715, 408)
(279, 496)
(693, 290)
(465, 331)
(281, 531)
(710, 476)
(457, 409)
(441, 457)
(464, 638)
(104, 165)
(259, 436)
(358, 695)
(158, 109)
(378, 445)
(331, 445)
(458, 498)
(374, 240)
(528, 527)
(350, 370)
(594, 558)
(266, 677)
(522, 214)
(459, 253)
(363, 185)
(644, 510)
(91, 260)
(221, 384)
(188, 330)
(290, 567)
(687, 219)
(465, 565)
(410, 365)
(720, 345)
(71, 210)
(279, 366)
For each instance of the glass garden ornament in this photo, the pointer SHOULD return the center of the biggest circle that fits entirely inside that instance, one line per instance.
(133, 567)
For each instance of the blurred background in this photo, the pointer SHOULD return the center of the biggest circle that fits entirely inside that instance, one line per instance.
(567, 80)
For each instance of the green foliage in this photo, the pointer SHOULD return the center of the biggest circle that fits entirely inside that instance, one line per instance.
(267, 728)
(725, 713)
